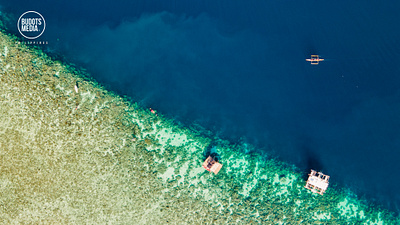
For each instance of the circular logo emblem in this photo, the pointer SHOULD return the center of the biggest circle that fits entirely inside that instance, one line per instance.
(31, 24)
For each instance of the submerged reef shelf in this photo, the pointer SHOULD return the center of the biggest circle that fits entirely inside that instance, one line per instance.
(92, 157)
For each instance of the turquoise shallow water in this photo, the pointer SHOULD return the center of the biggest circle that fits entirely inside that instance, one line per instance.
(240, 72)
(85, 155)
(338, 117)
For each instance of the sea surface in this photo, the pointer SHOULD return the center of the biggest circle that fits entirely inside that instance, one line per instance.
(238, 69)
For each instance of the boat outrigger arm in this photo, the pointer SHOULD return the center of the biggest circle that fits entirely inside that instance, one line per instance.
(315, 59)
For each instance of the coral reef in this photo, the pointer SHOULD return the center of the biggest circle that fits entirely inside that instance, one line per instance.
(93, 157)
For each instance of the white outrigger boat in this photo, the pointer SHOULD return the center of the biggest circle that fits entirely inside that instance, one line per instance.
(315, 59)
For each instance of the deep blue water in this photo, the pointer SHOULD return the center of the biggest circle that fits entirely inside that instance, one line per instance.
(239, 69)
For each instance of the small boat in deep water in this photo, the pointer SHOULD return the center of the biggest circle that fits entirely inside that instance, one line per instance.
(315, 59)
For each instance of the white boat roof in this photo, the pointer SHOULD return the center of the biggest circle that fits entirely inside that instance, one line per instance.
(318, 182)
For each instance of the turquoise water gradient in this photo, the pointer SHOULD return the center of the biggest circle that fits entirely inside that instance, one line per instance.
(238, 69)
